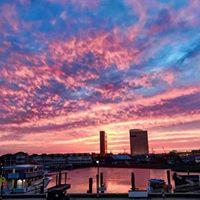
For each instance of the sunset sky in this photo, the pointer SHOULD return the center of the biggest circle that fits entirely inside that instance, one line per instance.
(70, 68)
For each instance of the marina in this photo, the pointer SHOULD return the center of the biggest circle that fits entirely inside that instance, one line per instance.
(116, 180)
(33, 176)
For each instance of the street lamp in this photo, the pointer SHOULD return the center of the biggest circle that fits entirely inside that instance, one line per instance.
(97, 177)
(98, 167)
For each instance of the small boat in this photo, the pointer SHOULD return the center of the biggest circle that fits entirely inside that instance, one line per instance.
(186, 183)
(157, 186)
(24, 179)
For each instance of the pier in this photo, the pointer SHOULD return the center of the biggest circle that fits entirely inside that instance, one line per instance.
(124, 196)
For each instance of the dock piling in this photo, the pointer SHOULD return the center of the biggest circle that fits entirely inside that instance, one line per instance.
(65, 177)
(90, 185)
(101, 179)
(169, 180)
(132, 181)
(56, 179)
(97, 183)
(101, 182)
(60, 178)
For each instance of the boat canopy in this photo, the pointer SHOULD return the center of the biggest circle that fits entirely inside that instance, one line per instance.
(156, 181)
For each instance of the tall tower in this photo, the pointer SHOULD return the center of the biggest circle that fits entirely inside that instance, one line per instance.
(139, 142)
(103, 143)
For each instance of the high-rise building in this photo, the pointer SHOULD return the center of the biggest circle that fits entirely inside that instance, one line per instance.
(138, 142)
(103, 143)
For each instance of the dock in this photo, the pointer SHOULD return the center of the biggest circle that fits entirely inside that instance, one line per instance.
(59, 192)
(109, 196)
(117, 199)
(123, 196)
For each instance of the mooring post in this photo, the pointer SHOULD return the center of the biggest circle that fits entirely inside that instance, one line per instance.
(65, 177)
(56, 179)
(90, 185)
(169, 180)
(101, 181)
(97, 182)
(132, 181)
(60, 178)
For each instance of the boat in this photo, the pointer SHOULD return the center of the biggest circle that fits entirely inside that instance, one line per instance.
(24, 179)
(186, 183)
(157, 186)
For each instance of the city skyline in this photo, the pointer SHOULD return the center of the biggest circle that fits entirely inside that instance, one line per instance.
(70, 68)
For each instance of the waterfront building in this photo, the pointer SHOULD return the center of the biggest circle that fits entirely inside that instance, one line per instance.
(21, 158)
(15, 159)
(79, 159)
(138, 142)
(50, 161)
(196, 152)
(103, 143)
(117, 159)
(36, 159)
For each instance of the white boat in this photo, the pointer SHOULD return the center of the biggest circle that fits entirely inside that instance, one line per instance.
(24, 179)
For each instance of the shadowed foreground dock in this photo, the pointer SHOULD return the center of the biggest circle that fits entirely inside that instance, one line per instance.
(134, 198)
(113, 198)
(179, 196)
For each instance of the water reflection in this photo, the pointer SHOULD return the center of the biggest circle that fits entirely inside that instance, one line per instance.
(117, 180)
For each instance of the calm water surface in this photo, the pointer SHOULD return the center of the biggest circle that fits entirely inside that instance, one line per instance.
(117, 180)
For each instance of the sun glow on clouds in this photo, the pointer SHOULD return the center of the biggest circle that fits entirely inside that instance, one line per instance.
(74, 68)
